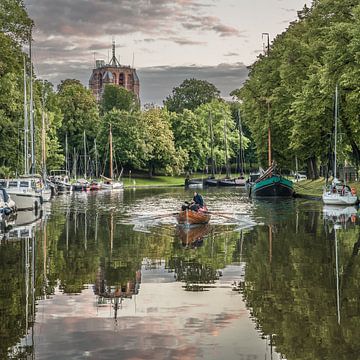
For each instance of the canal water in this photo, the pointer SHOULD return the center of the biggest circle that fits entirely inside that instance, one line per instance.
(111, 276)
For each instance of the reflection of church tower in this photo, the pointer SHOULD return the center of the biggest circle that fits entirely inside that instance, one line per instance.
(113, 73)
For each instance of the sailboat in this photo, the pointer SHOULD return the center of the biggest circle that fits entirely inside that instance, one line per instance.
(271, 184)
(109, 183)
(338, 193)
(28, 191)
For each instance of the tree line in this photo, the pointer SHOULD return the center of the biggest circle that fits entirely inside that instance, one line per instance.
(291, 89)
(168, 140)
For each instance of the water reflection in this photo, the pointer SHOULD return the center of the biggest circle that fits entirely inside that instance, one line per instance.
(220, 290)
(302, 280)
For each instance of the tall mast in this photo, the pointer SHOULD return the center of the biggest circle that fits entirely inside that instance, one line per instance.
(267, 50)
(335, 119)
(96, 160)
(85, 169)
(212, 147)
(226, 150)
(66, 154)
(241, 155)
(26, 125)
(32, 125)
(111, 154)
(43, 136)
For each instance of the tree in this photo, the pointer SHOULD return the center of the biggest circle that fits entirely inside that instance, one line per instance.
(116, 97)
(191, 94)
(159, 139)
(219, 114)
(191, 134)
(80, 113)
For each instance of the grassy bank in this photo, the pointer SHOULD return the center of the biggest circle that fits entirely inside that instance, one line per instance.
(315, 187)
(154, 181)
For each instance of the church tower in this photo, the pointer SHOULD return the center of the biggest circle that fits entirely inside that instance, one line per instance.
(113, 73)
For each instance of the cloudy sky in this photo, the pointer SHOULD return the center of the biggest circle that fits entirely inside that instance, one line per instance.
(166, 40)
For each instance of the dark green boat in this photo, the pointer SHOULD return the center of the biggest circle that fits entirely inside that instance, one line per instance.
(274, 186)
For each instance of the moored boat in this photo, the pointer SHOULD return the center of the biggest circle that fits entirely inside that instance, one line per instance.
(27, 192)
(81, 185)
(338, 193)
(232, 182)
(190, 217)
(7, 205)
(274, 186)
(94, 185)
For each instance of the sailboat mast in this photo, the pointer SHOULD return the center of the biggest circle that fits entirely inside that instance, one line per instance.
(335, 119)
(111, 154)
(26, 125)
(241, 156)
(212, 147)
(96, 160)
(66, 154)
(269, 139)
(32, 125)
(43, 136)
(85, 169)
(226, 150)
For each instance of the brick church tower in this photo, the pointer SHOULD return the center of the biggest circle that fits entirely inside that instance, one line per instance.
(113, 73)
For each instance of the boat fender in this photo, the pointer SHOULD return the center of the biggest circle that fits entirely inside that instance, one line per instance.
(353, 191)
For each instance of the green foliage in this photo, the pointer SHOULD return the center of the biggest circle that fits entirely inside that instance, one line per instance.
(80, 112)
(116, 97)
(292, 88)
(191, 94)
(14, 20)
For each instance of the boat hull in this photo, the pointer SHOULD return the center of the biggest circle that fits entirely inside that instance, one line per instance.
(26, 201)
(211, 182)
(189, 217)
(338, 199)
(275, 186)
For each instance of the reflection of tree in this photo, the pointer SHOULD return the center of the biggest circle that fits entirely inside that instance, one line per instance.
(16, 302)
(200, 267)
(293, 293)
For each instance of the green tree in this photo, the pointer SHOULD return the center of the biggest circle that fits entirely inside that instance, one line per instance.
(116, 97)
(191, 94)
(80, 113)
(160, 147)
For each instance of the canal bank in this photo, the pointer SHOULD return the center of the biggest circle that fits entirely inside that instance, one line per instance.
(312, 189)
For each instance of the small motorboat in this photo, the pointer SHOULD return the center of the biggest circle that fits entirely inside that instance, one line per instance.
(81, 185)
(191, 217)
(194, 183)
(232, 182)
(211, 182)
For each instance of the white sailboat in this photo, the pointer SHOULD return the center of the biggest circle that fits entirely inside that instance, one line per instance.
(338, 193)
(29, 190)
(109, 183)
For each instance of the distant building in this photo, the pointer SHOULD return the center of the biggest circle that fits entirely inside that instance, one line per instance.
(113, 73)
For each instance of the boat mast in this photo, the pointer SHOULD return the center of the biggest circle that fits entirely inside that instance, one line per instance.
(32, 125)
(66, 154)
(241, 153)
(96, 160)
(212, 147)
(85, 169)
(43, 136)
(267, 50)
(111, 154)
(335, 120)
(226, 150)
(26, 125)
